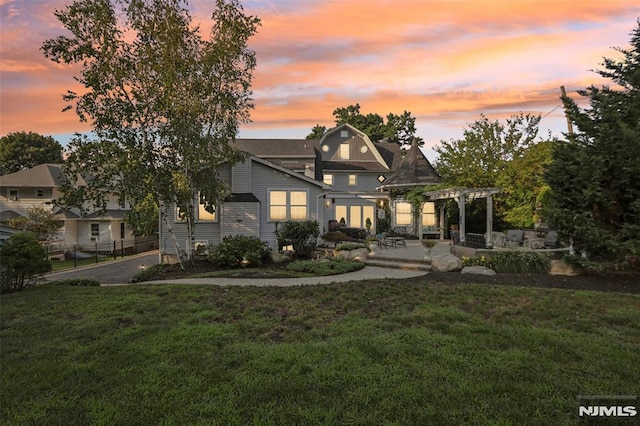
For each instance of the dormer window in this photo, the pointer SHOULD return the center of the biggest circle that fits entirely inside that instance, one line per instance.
(344, 151)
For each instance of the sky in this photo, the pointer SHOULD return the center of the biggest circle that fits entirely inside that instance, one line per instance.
(445, 61)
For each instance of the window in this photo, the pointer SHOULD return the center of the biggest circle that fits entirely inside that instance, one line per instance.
(353, 180)
(429, 215)
(40, 193)
(327, 179)
(344, 133)
(180, 215)
(355, 216)
(403, 213)
(13, 195)
(122, 230)
(381, 178)
(95, 230)
(343, 154)
(206, 216)
(285, 205)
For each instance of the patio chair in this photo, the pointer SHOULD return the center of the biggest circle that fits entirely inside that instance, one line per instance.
(551, 240)
(515, 237)
(382, 241)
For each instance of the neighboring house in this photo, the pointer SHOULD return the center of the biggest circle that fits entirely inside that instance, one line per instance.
(339, 176)
(263, 194)
(40, 186)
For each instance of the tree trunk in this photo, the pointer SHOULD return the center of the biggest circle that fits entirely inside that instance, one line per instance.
(164, 215)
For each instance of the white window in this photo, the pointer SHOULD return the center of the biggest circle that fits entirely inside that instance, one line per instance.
(327, 179)
(343, 153)
(13, 195)
(288, 205)
(95, 230)
(344, 133)
(355, 216)
(341, 213)
(353, 180)
(403, 213)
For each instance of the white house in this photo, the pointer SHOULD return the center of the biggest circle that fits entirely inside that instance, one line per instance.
(39, 186)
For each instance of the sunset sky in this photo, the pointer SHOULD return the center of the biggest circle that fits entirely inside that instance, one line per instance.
(445, 61)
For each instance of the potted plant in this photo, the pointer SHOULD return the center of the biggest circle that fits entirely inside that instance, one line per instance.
(367, 224)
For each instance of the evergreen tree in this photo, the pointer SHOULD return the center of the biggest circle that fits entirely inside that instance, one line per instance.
(595, 176)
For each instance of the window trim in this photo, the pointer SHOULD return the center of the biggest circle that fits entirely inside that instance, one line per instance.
(355, 179)
(325, 176)
(17, 196)
(344, 155)
(96, 233)
(288, 204)
(395, 213)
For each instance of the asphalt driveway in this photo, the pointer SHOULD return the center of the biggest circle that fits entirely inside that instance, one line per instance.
(117, 271)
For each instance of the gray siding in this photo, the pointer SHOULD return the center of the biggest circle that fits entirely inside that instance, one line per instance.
(241, 177)
(367, 181)
(241, 219)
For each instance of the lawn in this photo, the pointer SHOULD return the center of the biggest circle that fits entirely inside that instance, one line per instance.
(374, 352)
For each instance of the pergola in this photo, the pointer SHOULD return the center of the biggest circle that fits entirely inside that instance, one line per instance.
(460, 195)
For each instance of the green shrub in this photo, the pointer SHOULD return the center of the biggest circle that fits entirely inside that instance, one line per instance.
(350, 246)
(303, 236)
(233, 249)
(22, 261)
(151, 273)
(325, 266)
(336, 236)
(511, 262)
(80, 282)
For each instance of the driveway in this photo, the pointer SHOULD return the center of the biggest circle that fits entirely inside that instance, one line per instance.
(113, 272)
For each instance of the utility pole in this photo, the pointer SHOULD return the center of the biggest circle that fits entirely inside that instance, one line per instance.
(569, 124)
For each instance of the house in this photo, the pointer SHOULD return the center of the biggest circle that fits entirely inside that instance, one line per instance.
(40, 186)
(337, 177)
(263, 194)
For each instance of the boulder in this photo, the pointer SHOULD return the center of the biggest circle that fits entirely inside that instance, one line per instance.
(558, 267)
(445, 263)
(461, 251)
(478, 270)
(342, 254)
(358, 254)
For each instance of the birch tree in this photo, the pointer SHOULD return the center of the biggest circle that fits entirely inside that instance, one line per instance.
(164, 102)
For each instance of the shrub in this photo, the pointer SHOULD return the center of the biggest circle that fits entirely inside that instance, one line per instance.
(325, 266)
(22, 261)
(337, 236)
(350, 246)
(80, 282)
(233, 249)
(303, 236)
(511, 262)
(151, 273)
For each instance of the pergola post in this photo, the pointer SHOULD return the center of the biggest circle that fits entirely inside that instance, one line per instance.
(489, 240)
(442, 207)
(461, 207)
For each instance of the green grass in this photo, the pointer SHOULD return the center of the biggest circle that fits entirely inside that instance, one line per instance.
(375, 352)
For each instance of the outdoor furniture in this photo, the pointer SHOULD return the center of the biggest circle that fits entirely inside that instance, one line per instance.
(475, 240)
(396, 241)
(382, 241)
(515, 237)
(455, 237)
(551, 240)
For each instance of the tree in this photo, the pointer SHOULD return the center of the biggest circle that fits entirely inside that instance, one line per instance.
(493, 154)
(22, 150)
(39, 221)
(595, 198)
(399, 129)
(164, 102)
(21, 261)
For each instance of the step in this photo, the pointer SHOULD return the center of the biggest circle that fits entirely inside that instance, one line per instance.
(398, 264)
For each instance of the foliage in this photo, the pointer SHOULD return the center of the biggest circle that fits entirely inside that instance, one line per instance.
(337, 236)
(594, 176)
(142, 218)
(428, 243)
(493, 154)
(39, 221)
(399, 129)
(22, 150)
(511, 262)
(303, 236)
(234, 249)
(350, 246)
(152, 273)
(383, 224)
(325, 266)
(78, 282)
(163, 102)
(22, 260)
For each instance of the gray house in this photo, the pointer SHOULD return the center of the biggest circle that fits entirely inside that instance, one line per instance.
(341, 176)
